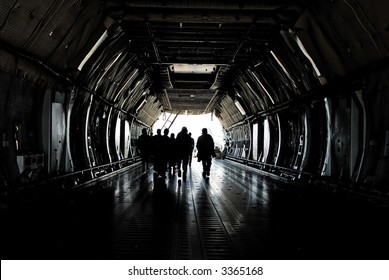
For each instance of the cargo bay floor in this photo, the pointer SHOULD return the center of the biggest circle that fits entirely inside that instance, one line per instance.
(236, 213)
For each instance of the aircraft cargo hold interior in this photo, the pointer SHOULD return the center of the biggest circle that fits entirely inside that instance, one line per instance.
(298, 166)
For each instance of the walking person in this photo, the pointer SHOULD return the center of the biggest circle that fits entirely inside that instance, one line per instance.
(158, 153)
(143, 144)
(205, 151)
(165, 150)
(192, 144)
(172, 154)
(183, 148)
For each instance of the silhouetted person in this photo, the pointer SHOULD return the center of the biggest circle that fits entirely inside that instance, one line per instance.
(158, 152)
(205, 151)
(144, 146)
(172, 156)
(165, 150)
(183, 148)
(192, 144)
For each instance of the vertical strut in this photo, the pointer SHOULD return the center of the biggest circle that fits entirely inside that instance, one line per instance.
(168, 123)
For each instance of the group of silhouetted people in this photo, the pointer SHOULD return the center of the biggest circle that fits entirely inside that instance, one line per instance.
(171, 152)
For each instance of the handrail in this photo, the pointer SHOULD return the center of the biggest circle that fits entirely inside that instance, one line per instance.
(69, 181)
(327, 182)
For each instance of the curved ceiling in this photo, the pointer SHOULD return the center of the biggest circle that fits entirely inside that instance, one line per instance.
(182, 53)
(232, 59)
(194, 48)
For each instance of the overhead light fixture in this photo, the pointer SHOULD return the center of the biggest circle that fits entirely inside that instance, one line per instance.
(322, 79)
(283, 68)
(240, 108)
(259, 63)
(141, 105)
(94, 48)
(183, 68)
(262, 86)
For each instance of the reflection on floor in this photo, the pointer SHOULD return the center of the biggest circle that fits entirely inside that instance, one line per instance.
(236, 213)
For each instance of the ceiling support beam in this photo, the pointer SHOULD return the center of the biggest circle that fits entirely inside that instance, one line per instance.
(153, 41)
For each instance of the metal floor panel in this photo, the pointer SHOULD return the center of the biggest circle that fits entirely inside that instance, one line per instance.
(236, 213)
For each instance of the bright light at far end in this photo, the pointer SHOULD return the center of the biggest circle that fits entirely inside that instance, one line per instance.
(182, 68)
(194, 123)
